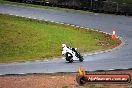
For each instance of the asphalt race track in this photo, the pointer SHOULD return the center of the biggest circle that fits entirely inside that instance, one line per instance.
(120, 58)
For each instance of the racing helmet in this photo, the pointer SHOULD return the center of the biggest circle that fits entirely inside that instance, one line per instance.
(63, 45)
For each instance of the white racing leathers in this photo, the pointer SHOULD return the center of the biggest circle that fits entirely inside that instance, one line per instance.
(65, 50)
(71, 55)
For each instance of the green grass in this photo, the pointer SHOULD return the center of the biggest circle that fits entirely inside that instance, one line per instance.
(24, 39)
(40, 6)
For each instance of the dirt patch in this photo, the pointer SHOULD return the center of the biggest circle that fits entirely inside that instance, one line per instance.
(64, 80)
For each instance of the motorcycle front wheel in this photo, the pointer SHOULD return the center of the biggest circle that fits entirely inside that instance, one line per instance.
(69, 57)
(70, 61)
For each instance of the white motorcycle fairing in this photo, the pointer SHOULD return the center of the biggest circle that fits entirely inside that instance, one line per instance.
(65, 50)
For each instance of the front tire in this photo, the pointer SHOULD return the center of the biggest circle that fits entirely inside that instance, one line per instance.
(69, 57)
(71, 60)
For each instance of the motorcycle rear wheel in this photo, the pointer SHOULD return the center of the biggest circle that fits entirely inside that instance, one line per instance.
(81, 59)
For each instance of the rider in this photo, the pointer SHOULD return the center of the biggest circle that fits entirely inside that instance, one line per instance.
(67, 48)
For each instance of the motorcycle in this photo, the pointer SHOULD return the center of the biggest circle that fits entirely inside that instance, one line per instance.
(71, 54)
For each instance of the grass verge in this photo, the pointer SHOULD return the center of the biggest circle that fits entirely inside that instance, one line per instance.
(40, 6)
(24, 39)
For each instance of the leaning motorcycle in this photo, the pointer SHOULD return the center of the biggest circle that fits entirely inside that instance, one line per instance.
(72, 55)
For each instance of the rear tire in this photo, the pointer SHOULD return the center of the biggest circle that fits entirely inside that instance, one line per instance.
(81, 59)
